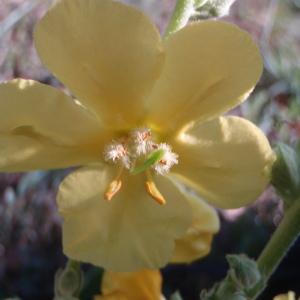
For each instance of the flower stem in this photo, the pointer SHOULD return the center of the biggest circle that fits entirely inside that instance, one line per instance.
(181, 14)
(279, 244)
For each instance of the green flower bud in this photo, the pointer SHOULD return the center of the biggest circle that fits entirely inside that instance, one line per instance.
(199, 3)
(68, 281)
(224, 290)
(243, 271)
(217, 8)
(242, 276)
(286, 173)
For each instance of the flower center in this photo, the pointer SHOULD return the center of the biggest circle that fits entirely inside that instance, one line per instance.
(138, 152)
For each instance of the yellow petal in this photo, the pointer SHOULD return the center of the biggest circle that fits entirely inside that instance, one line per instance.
(288, 296)
(107, 53)
(227, 160)
(41, 128)
(145, 284)
(128, 233)
(196, 243)
(210, 67)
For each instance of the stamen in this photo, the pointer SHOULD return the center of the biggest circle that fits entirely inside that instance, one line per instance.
(154, 192)
(140, 134)
(167, 161)
(138, 147)
(115, 152)
(141, 139)
(113, 189)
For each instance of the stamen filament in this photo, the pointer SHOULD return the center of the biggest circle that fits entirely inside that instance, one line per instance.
(154, 192)
(112, 189)
(114, 186)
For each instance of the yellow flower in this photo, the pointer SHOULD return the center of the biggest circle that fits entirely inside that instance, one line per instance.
(144, 106)
(288, 296)
(145, 284)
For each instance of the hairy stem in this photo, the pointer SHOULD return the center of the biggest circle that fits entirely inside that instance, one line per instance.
(279, 244)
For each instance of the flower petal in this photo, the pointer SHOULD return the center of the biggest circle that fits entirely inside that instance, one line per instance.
(42, 128)
(145, 284)
(289, 296)
(227, 160)
(196, 243)
(128, 233)
(108, 54)
(210, 67)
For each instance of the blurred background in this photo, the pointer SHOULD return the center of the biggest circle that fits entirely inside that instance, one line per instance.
(30, 233)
